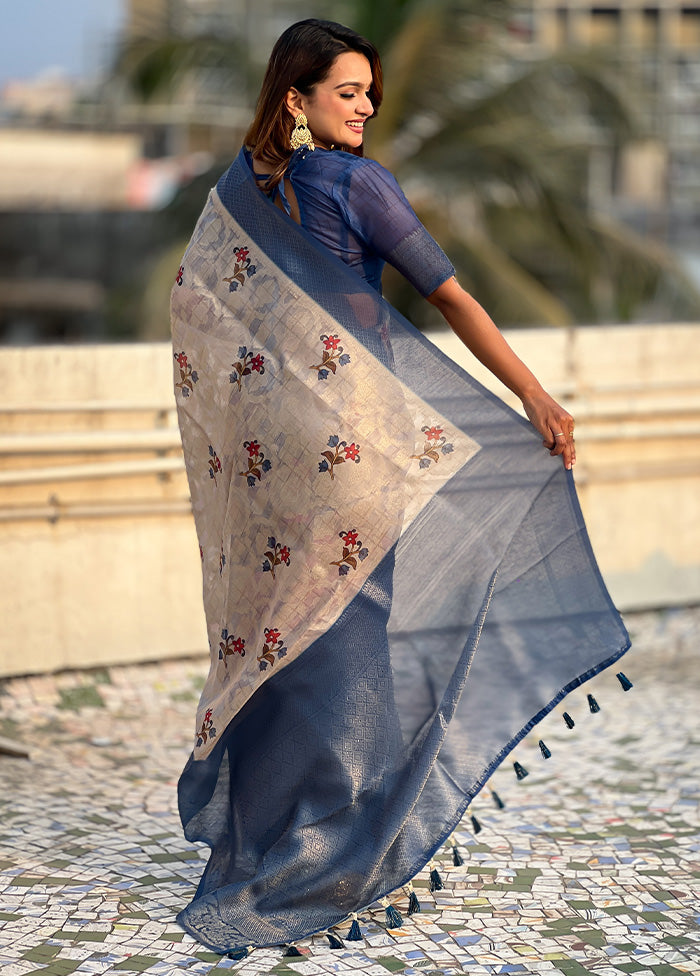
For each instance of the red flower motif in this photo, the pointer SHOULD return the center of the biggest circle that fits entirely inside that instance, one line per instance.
(433, 433)
(182, 360)
(238, 645)
(253, 448)
(349, 537)
(242, 253)
(271, 635)
(331, 342)
(284, 554)
(257, 362)
(207, 715)
(352, 452)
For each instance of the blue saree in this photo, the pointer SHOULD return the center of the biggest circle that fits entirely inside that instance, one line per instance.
(397, 579)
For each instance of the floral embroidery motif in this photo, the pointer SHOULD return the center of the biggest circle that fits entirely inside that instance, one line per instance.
(230, 645)
(214, 464)
(222, 561)
(332, 354)
(353, 551)
(258, 464)
(248, 362)
(180, 273)
(435, 445)
(242, 269)
(207, 730)
(342, 452)
(275, 555)
(274, 644)
(188, 376)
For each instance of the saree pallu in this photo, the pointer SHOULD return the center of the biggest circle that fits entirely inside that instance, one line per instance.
(398, 583)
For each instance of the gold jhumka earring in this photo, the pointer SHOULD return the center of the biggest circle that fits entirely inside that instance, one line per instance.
(301, 134)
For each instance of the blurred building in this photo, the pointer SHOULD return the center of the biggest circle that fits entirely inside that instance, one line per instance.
(659, 45)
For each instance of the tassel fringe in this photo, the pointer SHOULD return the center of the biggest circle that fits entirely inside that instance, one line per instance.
(498, 802)
(413, 903)
(476, 827)
(237, 954)
(520, 771)
(435, 882)
(334, 941)
(354, 935)
(291, 951)
(593, 704)
(569, 721)
(546, 753)
(457, 858)
(393, 917)
(624, 681)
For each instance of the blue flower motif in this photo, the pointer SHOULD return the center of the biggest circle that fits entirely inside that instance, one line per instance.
(266, 566)
(251, 480)
(185, 391)
(271, 541)
(333, 440)
(323, 374)
(281, 651)
(322, 466)
(211, 451)
(200, 740)
(266, 465)
(233, 286)
(212, 733)
(263, 665)
(194, 376)
(344, 359)
(424, 463)
(343, 570)
(363, 554)
(224, 634)
(242, 352)
(233, 377)
(251, 270)
(447, 449)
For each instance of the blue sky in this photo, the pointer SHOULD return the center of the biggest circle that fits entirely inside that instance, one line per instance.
(73, 35)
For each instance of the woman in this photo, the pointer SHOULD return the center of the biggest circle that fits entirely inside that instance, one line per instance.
(397, 581)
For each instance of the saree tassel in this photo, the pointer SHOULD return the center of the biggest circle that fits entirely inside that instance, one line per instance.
(457, 858)
(546, 752)
(413, 903)
(334, 941)
(569, 721)
(291, 951)
(498, 802)
(393, 917)
(241, 953)
(520, 771)
(435, 882)
(624, 681)
(593, 704)
(354, 935)
(476, 827)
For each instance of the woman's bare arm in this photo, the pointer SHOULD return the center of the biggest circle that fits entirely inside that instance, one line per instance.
(479, 334)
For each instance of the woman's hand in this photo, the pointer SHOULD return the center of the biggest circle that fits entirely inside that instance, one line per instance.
(555, 424)
(479, 334)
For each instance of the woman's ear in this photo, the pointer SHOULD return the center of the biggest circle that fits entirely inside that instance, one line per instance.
(293, 101)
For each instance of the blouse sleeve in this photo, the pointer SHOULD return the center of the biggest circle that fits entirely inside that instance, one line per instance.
(377, 211)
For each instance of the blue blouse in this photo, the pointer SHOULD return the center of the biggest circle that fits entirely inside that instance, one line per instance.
(356, 209)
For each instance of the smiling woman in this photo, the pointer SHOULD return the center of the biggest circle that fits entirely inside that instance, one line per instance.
(397, 579)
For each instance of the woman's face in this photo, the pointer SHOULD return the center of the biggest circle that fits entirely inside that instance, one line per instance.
(338, 106)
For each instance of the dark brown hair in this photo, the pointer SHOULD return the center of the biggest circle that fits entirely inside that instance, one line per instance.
(301, 58)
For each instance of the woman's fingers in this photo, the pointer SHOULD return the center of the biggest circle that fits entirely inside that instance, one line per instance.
(561, 439)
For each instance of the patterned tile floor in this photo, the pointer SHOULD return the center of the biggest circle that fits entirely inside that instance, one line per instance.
(593, 866)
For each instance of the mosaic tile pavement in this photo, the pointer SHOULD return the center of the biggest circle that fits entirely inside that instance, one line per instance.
(592, 867)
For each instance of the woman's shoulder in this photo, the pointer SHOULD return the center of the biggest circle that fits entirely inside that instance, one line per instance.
(335, 164)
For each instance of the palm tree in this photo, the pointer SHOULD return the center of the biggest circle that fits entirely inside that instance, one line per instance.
(494, 150)
(492, 146)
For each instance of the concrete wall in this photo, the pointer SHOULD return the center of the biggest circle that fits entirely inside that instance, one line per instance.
(99, 558)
